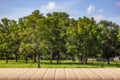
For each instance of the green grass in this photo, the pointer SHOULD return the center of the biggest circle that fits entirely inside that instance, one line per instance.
(64, 64)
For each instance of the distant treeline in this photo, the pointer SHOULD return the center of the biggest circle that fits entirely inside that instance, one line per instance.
(57, 36)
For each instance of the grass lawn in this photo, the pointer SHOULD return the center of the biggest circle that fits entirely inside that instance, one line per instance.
(64, 64)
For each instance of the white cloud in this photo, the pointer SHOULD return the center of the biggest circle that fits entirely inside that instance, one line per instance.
(99, 17)
(49, 6)
(90, 9)
(71, 17)
(0, 18)
(62, 6)
(118, 4)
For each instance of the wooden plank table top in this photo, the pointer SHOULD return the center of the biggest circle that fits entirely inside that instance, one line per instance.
(60, 74)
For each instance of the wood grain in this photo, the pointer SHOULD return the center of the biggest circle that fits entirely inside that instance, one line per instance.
(60, 74)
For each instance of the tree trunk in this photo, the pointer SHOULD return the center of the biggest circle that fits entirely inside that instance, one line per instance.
(119, 57)
(26, 60)
(58, 56)
(6, 57)
(84, 59)
(60, 59)
(38, 60)
(16, 57)
(51, 55)
(34, 58)
(1, 56)
(80, 58)
(108, 59)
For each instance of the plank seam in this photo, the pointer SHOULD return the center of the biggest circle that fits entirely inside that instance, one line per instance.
(85, 73)
(82, 72)
(75, 73)
(23, 74)
(106, 73)
(11, 74)
(54, 73)
(45, 73)
(65, 74)
(33, 74)
(114, 72)
(96, 74)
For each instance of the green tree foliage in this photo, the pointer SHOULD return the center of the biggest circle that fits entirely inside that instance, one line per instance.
(6, 42)
(109, 38)
(56, 27)
(83, 38)
(32, 35)
(55, 35)
(118, 44)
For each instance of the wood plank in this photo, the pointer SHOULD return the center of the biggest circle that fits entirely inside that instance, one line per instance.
(70, 74)
(60, 74)
(3, 74)
(103, 75)
(39, 75)
(91, 74)
(28, 74)
(50, 74)
(80, 74)
(15, 76)
(110, 73)
(8, 72)
(2, 71)
(117, 71)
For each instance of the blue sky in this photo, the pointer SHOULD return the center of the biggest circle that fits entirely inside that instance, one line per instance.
(99, 9)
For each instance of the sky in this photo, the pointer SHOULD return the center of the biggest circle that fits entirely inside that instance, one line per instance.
(99, 9)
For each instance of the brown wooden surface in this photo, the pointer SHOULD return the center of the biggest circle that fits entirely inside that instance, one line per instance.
(60, 74)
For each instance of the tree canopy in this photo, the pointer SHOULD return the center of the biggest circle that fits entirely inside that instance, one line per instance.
(57, 36)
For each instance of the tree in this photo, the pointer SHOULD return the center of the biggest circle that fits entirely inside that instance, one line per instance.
(118, 44)
(56, 27)
(15, 40)
(109, 38)
(33, 34)
(5, 43)
(55, 35)
(81, 37)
